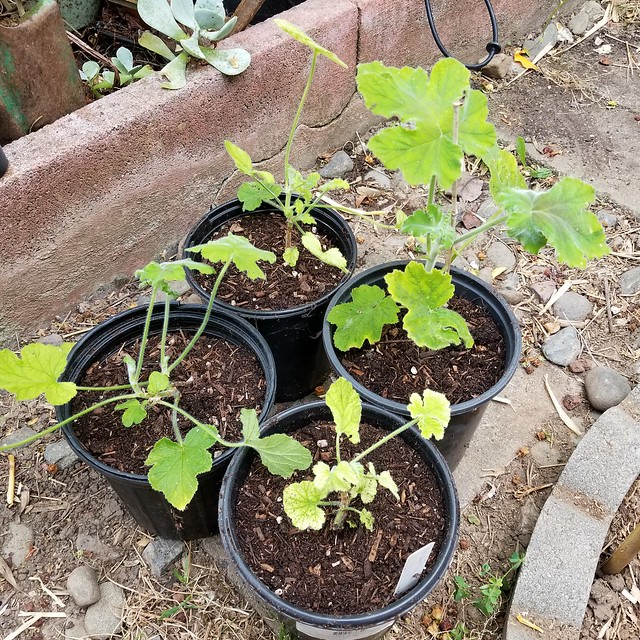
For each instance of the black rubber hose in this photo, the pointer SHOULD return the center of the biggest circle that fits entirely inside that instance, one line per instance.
(492, 48)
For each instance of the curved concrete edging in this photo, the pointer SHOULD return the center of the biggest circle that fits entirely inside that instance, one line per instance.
(555, 579)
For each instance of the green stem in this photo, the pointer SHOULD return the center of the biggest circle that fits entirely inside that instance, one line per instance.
(388, 437)
(494, 221)
(454, 188)
(174, 420)
(145, 335)
(55, 427)
(118, 387)
(163, 339)
(205, 320)
(432, 190)
(294, 127)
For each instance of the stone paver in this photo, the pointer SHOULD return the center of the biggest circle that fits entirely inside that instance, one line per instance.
(555, 580)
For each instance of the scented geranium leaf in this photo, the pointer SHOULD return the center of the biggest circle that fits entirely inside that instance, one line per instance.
(431, 223)
(240, 157)
(174, 467)
(329, 479)
(156, 44)
(290, 256)
(475, 134)
(250, 425)
(158, 15)
(158, 382)
(431, 411)
(161, 274)
(346, 409)
(176, 72)
(36, 372)
(253, 194)
(239, 251)
(366, 519)
(134, 412)
(423, 293)
(332, 257)
(363, 318)
(300, 184)
(366, 489)
(419, 153)
(281, 454)
(300, 501)
(307, 41)
(558, 217)
(505, 173)
(385, 480)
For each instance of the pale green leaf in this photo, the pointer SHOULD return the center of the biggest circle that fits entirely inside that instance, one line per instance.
(558, 217)
(346, 409)
(307, 41)
(36, 372)
(253, 194)
(209, 14)
(300, 501)
(230, 62)
(432, 413)
(134, 412)
(191, 45)
(222, 32)
(91, 69)
(281, 454)
(108, 80)
(250, 425)
(125, 57)
(329, 479)
(385, 480)
(237, 250)
(157, 14)
(156, 44)
(333, 257)
(475, 134)
(162, 274)
(240, 158)
(363, 318)
(332, 185)
(432, 223)
(423, 293)
(158, 382)
(366, 489)
(290, 256)
(366, 519)
(176, 72)
(505, 173)
(183, 12)
(122, 70)
(174, 467)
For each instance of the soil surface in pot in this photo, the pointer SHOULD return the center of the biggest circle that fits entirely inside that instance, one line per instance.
(284, 287)
(395, 367)
(225, 378)
(354, 570)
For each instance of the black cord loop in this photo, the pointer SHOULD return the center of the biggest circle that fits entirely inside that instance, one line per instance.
(492, 48)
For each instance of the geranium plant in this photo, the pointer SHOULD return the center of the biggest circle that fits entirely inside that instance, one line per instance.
(345, 486)
(440, 120)
(173, 464)
(298, 195)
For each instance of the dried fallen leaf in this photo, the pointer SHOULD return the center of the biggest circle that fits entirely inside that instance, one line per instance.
(472, 518)
(5, 572)
(522, 58)
(561, 412)
(522, 620)
(522, 452)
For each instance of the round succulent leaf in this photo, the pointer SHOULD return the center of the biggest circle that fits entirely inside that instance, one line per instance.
(183, 12)
(432, 412)
(209, 14)
(300, 501)
(91, 69)
(176, 72)
(221, 33)
(156, 44)
(125, 57)
(230, 62)
(157, 14)
(191, 45)
(299, 35)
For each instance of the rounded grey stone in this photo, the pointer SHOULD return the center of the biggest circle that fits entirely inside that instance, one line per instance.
(83, 587)
(16, 436)
(60, 454)
(512, 296)
(160, 553)
(339, 164)
(607, 219)
(193, 298)
(605, 388)
(104, 618)
(543, 289)
(573, 306)
(579, 23)
(562, 347)
(379, 178)
(501, 256)
(53, 339)
(630, 282)
(179, 287)
(18, 544)
(76, 632)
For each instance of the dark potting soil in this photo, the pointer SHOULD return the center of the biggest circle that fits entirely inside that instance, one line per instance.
(284, 287)
(395, 367)
(226, 378)
(354, 570)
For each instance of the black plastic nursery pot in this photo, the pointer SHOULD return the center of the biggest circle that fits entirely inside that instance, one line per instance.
(148, 507)
(310, 625)
(465, 416)
(294, 335)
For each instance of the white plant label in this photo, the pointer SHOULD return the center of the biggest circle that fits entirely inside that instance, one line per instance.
(413, 568)
(319, 633)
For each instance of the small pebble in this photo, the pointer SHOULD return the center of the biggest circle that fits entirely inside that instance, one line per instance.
(60, 454)
(53, 339)
(83, 587)
(379, 178)
(512, 296)
(104, 618)
(607, 219)
(339, 165)
(501, 256)
(499, 67)
(605, 388)
(543, 289)
(160, 553)
(630, 282)
(572, 306)
(562, 347)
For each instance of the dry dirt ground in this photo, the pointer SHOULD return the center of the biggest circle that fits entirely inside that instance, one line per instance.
(76, 518)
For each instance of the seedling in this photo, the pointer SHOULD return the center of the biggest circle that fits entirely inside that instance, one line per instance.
(337, 488)
(127, 73)
(538, 173)
(296, 197)
(174, 464)
(204, 21)
(440, 120)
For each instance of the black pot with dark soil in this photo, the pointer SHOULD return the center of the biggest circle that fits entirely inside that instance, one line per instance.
(118, 453)
(386, 374)
(326, 583)
(288, 307)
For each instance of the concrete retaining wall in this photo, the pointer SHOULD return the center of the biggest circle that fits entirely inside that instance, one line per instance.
(103, 190)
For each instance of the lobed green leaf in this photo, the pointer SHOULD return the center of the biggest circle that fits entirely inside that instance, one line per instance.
(432, 412)
(300, 501)
(240, 157)
(291, 255)
(158, 382)
(333, 257)
(346, 409)
(432, 223)
(281, 454)
(253, 194)
(363, 318)
(134, 412)
(161, 274)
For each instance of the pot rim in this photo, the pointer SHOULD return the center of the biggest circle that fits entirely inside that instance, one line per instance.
(504, 317)
(323, 217)
(106, 333)
(402, 604)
